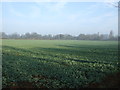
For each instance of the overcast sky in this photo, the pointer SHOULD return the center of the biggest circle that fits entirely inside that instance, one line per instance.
(59, 17)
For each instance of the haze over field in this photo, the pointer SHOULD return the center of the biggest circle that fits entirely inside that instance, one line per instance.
(59, 45)
(59, 17)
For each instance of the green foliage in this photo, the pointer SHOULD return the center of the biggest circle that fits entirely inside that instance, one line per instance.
(57, 64)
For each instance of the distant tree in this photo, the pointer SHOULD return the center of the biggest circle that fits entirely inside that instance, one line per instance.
(3, 35)
(101, 37)
(34, 35)
(68, 37)
(59, 36)
(27, 35)
(0, 34)
(81, 37)
(22, 36)
(111, 35)
(49, 36)
(98, 36)
(14, 36)
(116, 37)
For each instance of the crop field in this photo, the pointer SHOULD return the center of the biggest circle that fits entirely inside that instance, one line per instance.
(57, 63)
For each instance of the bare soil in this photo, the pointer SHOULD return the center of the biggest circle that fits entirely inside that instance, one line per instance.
(110, 81)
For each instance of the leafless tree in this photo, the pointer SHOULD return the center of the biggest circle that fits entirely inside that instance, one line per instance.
(115, 4)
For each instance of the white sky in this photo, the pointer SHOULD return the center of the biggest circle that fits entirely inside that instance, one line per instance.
(59, 17)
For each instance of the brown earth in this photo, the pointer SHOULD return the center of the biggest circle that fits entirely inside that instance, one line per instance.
(21, 85)
(110, 81)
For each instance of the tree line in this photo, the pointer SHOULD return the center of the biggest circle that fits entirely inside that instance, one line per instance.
(37, 36)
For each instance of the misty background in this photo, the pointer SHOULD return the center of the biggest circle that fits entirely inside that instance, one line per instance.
(54, 18)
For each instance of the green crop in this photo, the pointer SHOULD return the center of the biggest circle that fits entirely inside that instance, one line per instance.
(57, 63)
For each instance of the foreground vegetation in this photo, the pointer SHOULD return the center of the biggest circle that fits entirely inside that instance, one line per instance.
(57, 63)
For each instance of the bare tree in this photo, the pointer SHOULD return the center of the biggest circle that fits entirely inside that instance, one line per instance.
(115, 3)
